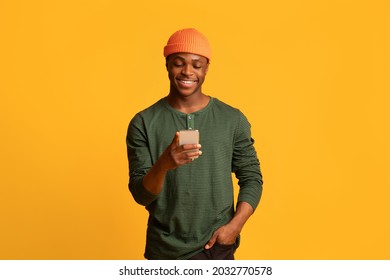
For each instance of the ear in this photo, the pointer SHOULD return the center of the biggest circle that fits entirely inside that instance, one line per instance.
(166, 62)
(207, 67)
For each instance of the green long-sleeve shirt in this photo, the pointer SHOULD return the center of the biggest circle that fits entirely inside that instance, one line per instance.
(197, 198)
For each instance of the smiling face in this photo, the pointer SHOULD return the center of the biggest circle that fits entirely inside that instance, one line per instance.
(186, 73)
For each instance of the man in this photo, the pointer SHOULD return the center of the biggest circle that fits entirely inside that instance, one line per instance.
(187, 189)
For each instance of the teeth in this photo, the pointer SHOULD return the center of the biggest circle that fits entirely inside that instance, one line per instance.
(187, 82)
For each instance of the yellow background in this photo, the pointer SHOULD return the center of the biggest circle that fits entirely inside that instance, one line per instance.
(311, 76)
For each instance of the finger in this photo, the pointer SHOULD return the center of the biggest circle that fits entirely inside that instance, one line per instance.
(192, 146)
(211, 242)
(194, 154)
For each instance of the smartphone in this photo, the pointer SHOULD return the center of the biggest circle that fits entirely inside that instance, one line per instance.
(188, 137)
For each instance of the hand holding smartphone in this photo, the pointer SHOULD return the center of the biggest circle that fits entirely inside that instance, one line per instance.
(190, 137)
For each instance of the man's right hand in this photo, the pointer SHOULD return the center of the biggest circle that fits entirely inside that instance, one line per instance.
(173, 157)
(176, 155)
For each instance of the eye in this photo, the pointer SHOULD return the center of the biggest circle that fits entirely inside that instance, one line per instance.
(177, 62)
(197, 66)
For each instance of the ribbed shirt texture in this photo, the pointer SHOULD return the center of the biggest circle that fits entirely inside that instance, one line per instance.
(197, 198)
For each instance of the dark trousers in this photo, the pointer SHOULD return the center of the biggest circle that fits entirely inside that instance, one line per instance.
(217, 252)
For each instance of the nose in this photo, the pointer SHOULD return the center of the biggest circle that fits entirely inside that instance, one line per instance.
(187, 70)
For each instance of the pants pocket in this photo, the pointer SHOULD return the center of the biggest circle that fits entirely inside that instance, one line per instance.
(222, 252)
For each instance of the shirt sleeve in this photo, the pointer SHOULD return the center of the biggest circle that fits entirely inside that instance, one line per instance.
(246, 165)
(140, 162)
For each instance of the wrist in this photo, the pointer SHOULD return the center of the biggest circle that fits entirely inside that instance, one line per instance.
(235, 225)
(161, 165)
(243, 212)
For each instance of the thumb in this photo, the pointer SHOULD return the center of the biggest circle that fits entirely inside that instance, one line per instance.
(175, 141)
(211, 242)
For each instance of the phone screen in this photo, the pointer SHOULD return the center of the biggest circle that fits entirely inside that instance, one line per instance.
(188, 137)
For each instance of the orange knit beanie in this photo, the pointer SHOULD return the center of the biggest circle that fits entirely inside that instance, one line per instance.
(188, 40)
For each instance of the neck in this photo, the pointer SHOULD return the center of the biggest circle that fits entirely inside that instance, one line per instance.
(188, 104)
